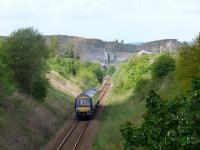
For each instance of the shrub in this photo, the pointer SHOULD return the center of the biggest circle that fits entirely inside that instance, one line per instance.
(162, 66)
(39, 89)
(196, 83)
(98, 72)
(111, 69)
(141, 84)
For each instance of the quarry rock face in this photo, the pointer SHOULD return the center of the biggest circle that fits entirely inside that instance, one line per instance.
(94, 49)
(160, 45)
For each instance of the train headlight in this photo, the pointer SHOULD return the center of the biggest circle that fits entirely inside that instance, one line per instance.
(77, 109)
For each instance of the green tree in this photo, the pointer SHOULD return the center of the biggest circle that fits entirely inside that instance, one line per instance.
(5, 73)
(188, 62)
(163, 65)
(27, 53)
(98, 72)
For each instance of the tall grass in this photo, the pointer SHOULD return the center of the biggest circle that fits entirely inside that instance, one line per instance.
(29, 124)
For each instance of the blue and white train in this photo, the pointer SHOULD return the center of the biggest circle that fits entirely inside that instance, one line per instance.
(86, 103)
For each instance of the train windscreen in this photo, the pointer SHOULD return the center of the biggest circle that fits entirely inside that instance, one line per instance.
(83, 102)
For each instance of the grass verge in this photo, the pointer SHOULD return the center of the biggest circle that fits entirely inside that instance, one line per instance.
(119, 108)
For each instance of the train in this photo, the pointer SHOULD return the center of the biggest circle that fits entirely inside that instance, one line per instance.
(86, 103)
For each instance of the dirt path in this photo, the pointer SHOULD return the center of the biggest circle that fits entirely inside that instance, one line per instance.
(86, 141)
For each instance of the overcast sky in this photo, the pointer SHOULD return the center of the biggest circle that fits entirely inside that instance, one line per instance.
(128, 20)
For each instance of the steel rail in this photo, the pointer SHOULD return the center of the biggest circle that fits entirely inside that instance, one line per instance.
(106, 86)
(67, 136)
(79, 138)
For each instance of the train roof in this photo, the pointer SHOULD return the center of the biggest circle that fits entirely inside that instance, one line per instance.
(90, 92)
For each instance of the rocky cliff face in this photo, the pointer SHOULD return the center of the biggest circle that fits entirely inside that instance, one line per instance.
(160, 45)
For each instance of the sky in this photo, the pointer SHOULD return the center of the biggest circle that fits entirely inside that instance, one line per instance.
(128, 20)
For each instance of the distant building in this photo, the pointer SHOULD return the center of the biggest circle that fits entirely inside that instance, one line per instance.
(109, 57)
(106, 57)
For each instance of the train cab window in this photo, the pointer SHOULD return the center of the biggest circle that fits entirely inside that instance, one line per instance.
(83, 102)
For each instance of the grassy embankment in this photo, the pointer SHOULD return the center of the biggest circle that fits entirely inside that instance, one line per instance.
(26, 123)
(131, 83)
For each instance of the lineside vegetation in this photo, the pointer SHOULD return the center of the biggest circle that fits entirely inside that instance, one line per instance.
(170, 123)
(168, 85)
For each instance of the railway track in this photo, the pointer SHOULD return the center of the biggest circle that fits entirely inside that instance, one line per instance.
(74, 135)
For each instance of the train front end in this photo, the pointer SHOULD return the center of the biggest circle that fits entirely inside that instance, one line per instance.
(83, 106)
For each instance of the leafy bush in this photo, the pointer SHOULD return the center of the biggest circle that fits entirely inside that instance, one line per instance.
(110, 70)
(39, 89)
(136, 69)
(98, 72)
(167, 125)
(141, 84)
(162, 66)
(196, 83)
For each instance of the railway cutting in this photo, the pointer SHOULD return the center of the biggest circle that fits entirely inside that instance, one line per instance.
(81, 131)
